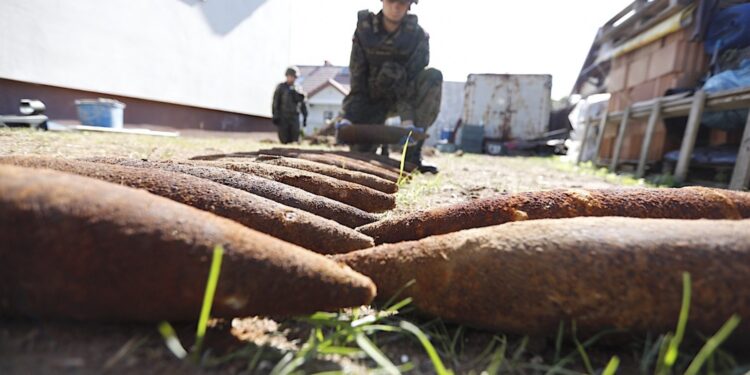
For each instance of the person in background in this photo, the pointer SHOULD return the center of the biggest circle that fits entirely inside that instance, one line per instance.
(288, 103)
(389, 75)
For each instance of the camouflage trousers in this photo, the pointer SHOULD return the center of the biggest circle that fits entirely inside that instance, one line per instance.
(426, 104)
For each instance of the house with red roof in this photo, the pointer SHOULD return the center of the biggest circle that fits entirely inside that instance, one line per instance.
(326, 87)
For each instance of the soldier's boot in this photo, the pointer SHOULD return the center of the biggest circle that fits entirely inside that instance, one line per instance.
(384, 151)
(414, 156)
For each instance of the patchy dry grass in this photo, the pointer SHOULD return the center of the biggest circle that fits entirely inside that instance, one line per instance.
(82, 144)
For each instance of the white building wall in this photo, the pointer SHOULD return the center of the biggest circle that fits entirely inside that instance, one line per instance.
(328, 95)
(226, 55)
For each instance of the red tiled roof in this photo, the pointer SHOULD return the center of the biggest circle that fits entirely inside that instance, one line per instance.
(344, 89)
(314, 78)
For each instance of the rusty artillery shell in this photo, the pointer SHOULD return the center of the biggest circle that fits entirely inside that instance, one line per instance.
(360, 178)
(76, 247)
(376, 134)
(384, 162)
(359, 196)
(276, 191)
(685, 203)
(527, 277)
(740, 200)
(338, 161)
(381, 166)
(264, 215)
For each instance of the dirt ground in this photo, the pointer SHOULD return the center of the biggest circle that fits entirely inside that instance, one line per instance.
(32, 346)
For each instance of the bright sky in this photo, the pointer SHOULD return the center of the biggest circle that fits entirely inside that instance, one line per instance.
(468, 36)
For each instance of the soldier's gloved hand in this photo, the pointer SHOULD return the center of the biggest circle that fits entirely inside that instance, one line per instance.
(414, 130)
(276, 121)
(304, 122)
(342, 123)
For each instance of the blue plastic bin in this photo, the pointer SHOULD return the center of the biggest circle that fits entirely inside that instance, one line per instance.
(445, 135)
(106, 113)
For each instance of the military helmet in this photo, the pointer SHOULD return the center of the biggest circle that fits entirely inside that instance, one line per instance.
(292, 71)
(411, 1)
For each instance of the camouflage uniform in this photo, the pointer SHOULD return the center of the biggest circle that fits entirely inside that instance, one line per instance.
(288, 103)
(388, 75)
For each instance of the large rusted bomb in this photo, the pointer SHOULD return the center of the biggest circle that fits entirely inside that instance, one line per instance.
(76, 247)
(287, 223)
(359, 196)
(741, 201)
(338, 161)
(602, 273)
(361, 178)
(685, 203)
(276, 191)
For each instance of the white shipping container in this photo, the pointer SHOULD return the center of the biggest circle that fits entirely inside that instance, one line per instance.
(511, 107)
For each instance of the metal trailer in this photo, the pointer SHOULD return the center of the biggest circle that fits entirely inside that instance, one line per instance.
(510, 107)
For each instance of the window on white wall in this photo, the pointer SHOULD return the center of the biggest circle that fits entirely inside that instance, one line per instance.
(327, 115)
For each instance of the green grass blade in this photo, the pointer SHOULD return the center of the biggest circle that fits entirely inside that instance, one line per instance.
(660, 362)
(457, 338)
(711, 365)
(340, 350)
(281, 366)
(368, 347)
(208, 298)
(559, 341)
(581, 349)
(380, 328)
(712, 344)
(370, 319)
(546, 369)
(406, 367)
(253, 363)
(674, 346)
(570, 357)
(170, 338)
(497, 359)
(612, 366)
(405, 302)
(520, 349)
(389, 303)
(431, 352)
(322, 316)
(401, 177)
(650, 352)
(584, 356)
